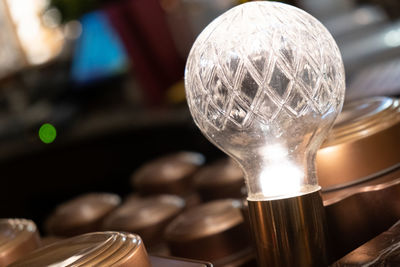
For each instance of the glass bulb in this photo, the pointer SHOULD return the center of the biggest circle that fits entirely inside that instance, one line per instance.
(264, 82)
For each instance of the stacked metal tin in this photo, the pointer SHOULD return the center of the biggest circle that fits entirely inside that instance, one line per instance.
(359, 171)
(182, 207)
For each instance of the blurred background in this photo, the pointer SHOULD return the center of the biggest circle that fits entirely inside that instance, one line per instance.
(108, 76)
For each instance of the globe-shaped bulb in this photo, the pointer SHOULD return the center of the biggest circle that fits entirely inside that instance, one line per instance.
(264, 82)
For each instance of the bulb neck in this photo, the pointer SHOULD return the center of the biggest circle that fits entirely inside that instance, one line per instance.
(290, 231)
(303, 190)
(284, 176)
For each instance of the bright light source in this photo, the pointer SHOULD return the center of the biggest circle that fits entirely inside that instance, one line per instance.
(265, 82)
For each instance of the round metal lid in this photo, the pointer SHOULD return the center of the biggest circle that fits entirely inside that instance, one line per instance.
(363, 144)
(364, 117)
(82, 214)
(168, 174)
(168, 168)
(213, 231)
(208, 219)
(145, 216)
(222, 172)
(17, 238)
(222, 179)
(93, 249)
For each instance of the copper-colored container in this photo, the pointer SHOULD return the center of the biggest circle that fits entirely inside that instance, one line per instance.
(359, 213)
(359, 170)
(93, 249)
(82, 214)
(147, 217)
(17, 238)
(47, 240)
(222, 179)
(157, 261)
(363, 144)
(213, 232)
(171, 174)
(383, 250)
(101, 249)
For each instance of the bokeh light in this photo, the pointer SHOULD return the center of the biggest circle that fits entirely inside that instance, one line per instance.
(47, 133)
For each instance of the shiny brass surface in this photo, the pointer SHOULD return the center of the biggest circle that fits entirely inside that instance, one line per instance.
(363, 144)
(383, 250)
(213, 232)
(147, 217)
(289, 232)
(82, 214)
(47, 240)
(222, 179)
(207, 219)
(157, 261)
(93, 249)
(359, 170)
(380, 183)
(358, 213)
(171, 174)
(17, 238)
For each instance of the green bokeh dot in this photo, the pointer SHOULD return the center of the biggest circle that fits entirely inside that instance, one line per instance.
(47, 133)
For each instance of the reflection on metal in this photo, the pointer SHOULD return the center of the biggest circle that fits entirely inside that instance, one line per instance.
(360, 212)
(222, 179)
(289, 232)
(363, 143)
(170, 174)
(383, 250)
(214, 231)
(82, 214)
(94, 249)
(17, 238)
(147, 217)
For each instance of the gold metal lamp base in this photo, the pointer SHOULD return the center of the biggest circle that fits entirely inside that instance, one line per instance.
(289, 232)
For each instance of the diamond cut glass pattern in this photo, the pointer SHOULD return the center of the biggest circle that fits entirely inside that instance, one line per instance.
(265, 74)
(279, 82)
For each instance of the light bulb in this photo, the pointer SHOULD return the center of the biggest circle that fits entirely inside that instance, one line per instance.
(264, 82)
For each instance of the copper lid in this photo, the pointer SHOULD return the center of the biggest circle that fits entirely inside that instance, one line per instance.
(373, 185)
(93, 249)
(145, 216)
(358, 213)
(383, 250)
(167, 175)
(223, 179)
(17, 238)
(212, 231)
(82, 214)
(47, 240)
(363, 144)
(157, 261)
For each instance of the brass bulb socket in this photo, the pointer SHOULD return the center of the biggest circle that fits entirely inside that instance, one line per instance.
(290, 231)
